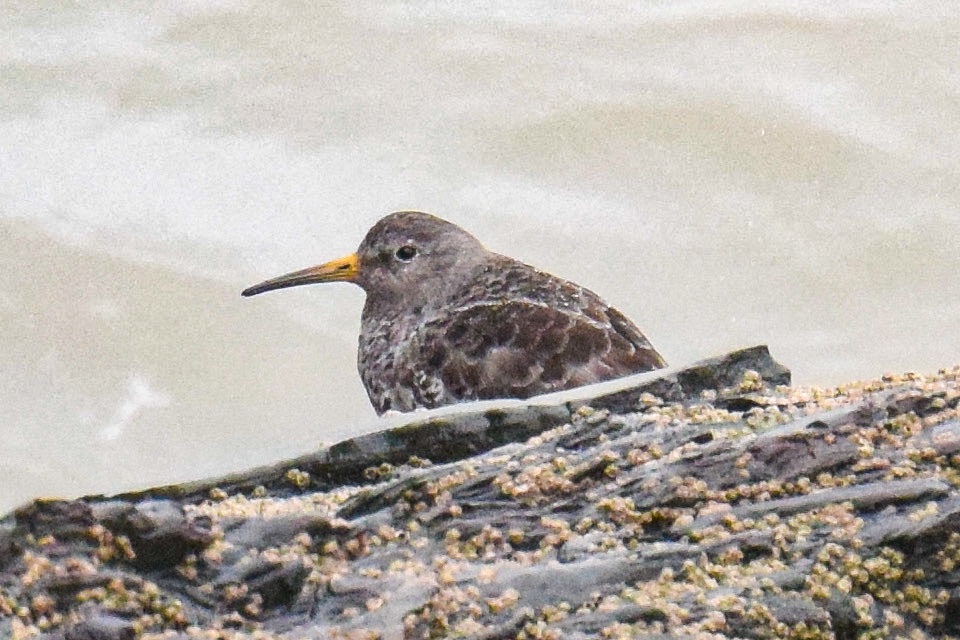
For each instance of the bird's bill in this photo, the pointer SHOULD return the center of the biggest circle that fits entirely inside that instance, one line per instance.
(341, 270)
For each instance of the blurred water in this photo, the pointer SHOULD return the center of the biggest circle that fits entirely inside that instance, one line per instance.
(725, 173)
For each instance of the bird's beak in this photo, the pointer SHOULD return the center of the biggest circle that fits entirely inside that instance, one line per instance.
(342, 270)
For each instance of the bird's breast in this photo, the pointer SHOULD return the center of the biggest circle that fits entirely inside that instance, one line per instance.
(385, 361)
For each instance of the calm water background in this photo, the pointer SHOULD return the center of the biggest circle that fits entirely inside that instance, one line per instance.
(726, 173)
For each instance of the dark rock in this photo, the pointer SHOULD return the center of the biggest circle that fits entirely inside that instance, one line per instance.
(277, 583)
(706, 500)
(65, 519)
(270, 532)
(161, 534)
(101, 626)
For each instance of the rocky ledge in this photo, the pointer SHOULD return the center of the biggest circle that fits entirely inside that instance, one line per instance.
(711, 501)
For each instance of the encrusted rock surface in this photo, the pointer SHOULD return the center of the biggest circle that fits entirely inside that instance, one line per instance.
(711, 501)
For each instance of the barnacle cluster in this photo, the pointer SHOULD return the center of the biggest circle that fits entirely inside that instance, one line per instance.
(783, 513)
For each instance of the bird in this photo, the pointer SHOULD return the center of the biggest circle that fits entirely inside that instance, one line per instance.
(446, 320)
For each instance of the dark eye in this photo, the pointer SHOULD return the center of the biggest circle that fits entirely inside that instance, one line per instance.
(406, 253)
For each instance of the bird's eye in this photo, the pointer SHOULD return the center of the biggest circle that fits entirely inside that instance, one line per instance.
(406, 253)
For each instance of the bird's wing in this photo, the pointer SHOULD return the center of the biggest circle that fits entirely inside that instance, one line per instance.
(629, 331)
(520, 348)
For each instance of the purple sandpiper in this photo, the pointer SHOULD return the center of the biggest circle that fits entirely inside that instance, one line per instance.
(448, 321)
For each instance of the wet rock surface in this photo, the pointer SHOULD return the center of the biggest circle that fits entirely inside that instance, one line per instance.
(711, 501)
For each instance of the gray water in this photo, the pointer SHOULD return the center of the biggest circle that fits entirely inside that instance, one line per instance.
(725, 173)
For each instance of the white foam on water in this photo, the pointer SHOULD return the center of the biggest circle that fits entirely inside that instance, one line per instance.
(140, 396)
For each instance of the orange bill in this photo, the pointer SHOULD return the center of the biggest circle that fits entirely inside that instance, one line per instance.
(341, 270)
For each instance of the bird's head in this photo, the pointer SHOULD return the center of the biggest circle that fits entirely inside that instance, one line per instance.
(406, 259)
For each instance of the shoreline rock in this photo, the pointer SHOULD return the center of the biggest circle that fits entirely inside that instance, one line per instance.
(705, 501)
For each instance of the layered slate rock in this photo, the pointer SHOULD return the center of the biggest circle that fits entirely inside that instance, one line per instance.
(709, 501)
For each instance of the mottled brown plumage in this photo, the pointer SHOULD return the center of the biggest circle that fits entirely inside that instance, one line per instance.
(447, 321)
